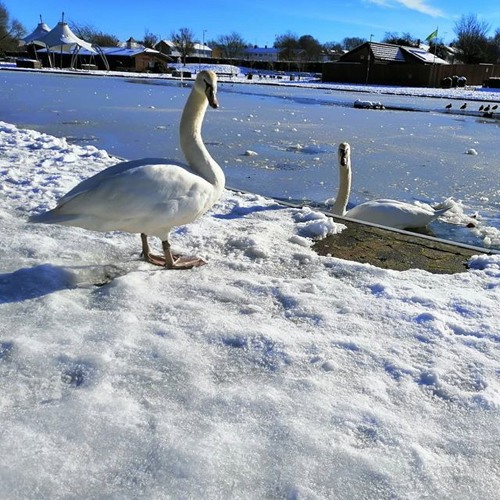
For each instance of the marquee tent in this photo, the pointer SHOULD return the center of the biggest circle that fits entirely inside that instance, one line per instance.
(39, 32)
(61, 39)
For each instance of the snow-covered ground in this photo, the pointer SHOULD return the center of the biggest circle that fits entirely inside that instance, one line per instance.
(280, 140)
(237, 74)
(269, 373)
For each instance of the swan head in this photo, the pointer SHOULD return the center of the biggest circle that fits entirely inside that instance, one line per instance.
(339, 204)
(206, 83)
(344, 154)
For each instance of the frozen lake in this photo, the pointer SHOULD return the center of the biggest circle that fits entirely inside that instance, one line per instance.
(418, 155)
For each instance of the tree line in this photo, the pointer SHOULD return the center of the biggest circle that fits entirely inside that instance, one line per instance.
(472, 43)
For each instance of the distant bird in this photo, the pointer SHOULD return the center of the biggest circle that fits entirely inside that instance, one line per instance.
(494, 107)
(481, 107)
(463, 106)
(448, 106)
(392, 213)
(486, 109)
(152, 196)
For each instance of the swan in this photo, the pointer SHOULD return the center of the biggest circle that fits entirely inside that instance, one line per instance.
(151, 196)
(386, 212)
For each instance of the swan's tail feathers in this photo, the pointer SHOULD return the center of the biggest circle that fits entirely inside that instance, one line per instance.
(50, 217)
(443, 207)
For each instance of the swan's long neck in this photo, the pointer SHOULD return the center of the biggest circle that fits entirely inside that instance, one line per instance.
(340, 205)
(195, 152)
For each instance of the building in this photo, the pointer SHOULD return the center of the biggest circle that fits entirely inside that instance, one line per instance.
(386, 53)
(138, 59)
(265, 54)
(168, 47)
(385, 64)
(135, 59)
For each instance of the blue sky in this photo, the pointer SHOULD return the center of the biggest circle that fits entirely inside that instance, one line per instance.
(259, 21)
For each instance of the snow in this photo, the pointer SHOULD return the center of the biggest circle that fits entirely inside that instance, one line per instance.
(237, 74)
(271, 372)
(280, 140)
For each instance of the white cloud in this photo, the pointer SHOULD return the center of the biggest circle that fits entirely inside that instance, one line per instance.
(418, 5)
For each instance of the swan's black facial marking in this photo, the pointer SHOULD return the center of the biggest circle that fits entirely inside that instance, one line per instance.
(210, 93)
(344, 155)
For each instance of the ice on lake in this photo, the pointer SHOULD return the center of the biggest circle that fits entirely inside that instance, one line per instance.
(281, 141)
(272, 372)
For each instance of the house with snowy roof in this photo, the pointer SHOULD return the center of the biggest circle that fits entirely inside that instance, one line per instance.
(169, 48)
(384, 64)
(387, 53)
(267, 54)
(129, 56)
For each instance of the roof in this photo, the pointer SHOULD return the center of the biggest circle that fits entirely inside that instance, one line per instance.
(423, 55)
(39, 32)
(126, 51)
(173, 46)
(262, 50)
(201, 47)
(387, 52)
(122, 52)
(62, 38)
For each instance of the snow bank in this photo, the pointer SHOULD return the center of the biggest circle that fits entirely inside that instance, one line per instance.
(269, 373)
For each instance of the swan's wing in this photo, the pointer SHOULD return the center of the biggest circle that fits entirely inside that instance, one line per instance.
(392, 213)
(444, 206)
(110, 172)
(146, 198)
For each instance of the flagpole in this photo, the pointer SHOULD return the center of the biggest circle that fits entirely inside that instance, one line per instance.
(429, 39)
(435, 45)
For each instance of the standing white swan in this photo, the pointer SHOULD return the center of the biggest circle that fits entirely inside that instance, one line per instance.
(151, 196)
(392, 213)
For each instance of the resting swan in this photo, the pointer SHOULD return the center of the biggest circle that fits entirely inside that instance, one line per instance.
(151, 196)
(385, 212)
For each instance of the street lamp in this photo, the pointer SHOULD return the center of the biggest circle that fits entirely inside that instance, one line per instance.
(202, 50)
(368, 60)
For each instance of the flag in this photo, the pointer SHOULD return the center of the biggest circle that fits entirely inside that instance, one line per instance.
(433, 35)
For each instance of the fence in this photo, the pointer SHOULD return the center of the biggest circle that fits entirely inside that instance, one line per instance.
(411, 75)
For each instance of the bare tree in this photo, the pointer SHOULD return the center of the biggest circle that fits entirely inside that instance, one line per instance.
(350, 43)
(333, 50)
(472, 40)
(150, 40)
(183, 41)
(403, 39)
(232, 46)
(438, 48)
(495, 46)
(94, 36)
(11, 31)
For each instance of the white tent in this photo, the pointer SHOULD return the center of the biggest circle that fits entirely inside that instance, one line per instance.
(61, 38)
(39, 32)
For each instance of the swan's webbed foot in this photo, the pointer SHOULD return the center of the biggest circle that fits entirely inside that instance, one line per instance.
(168, 260)
(186, 263)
